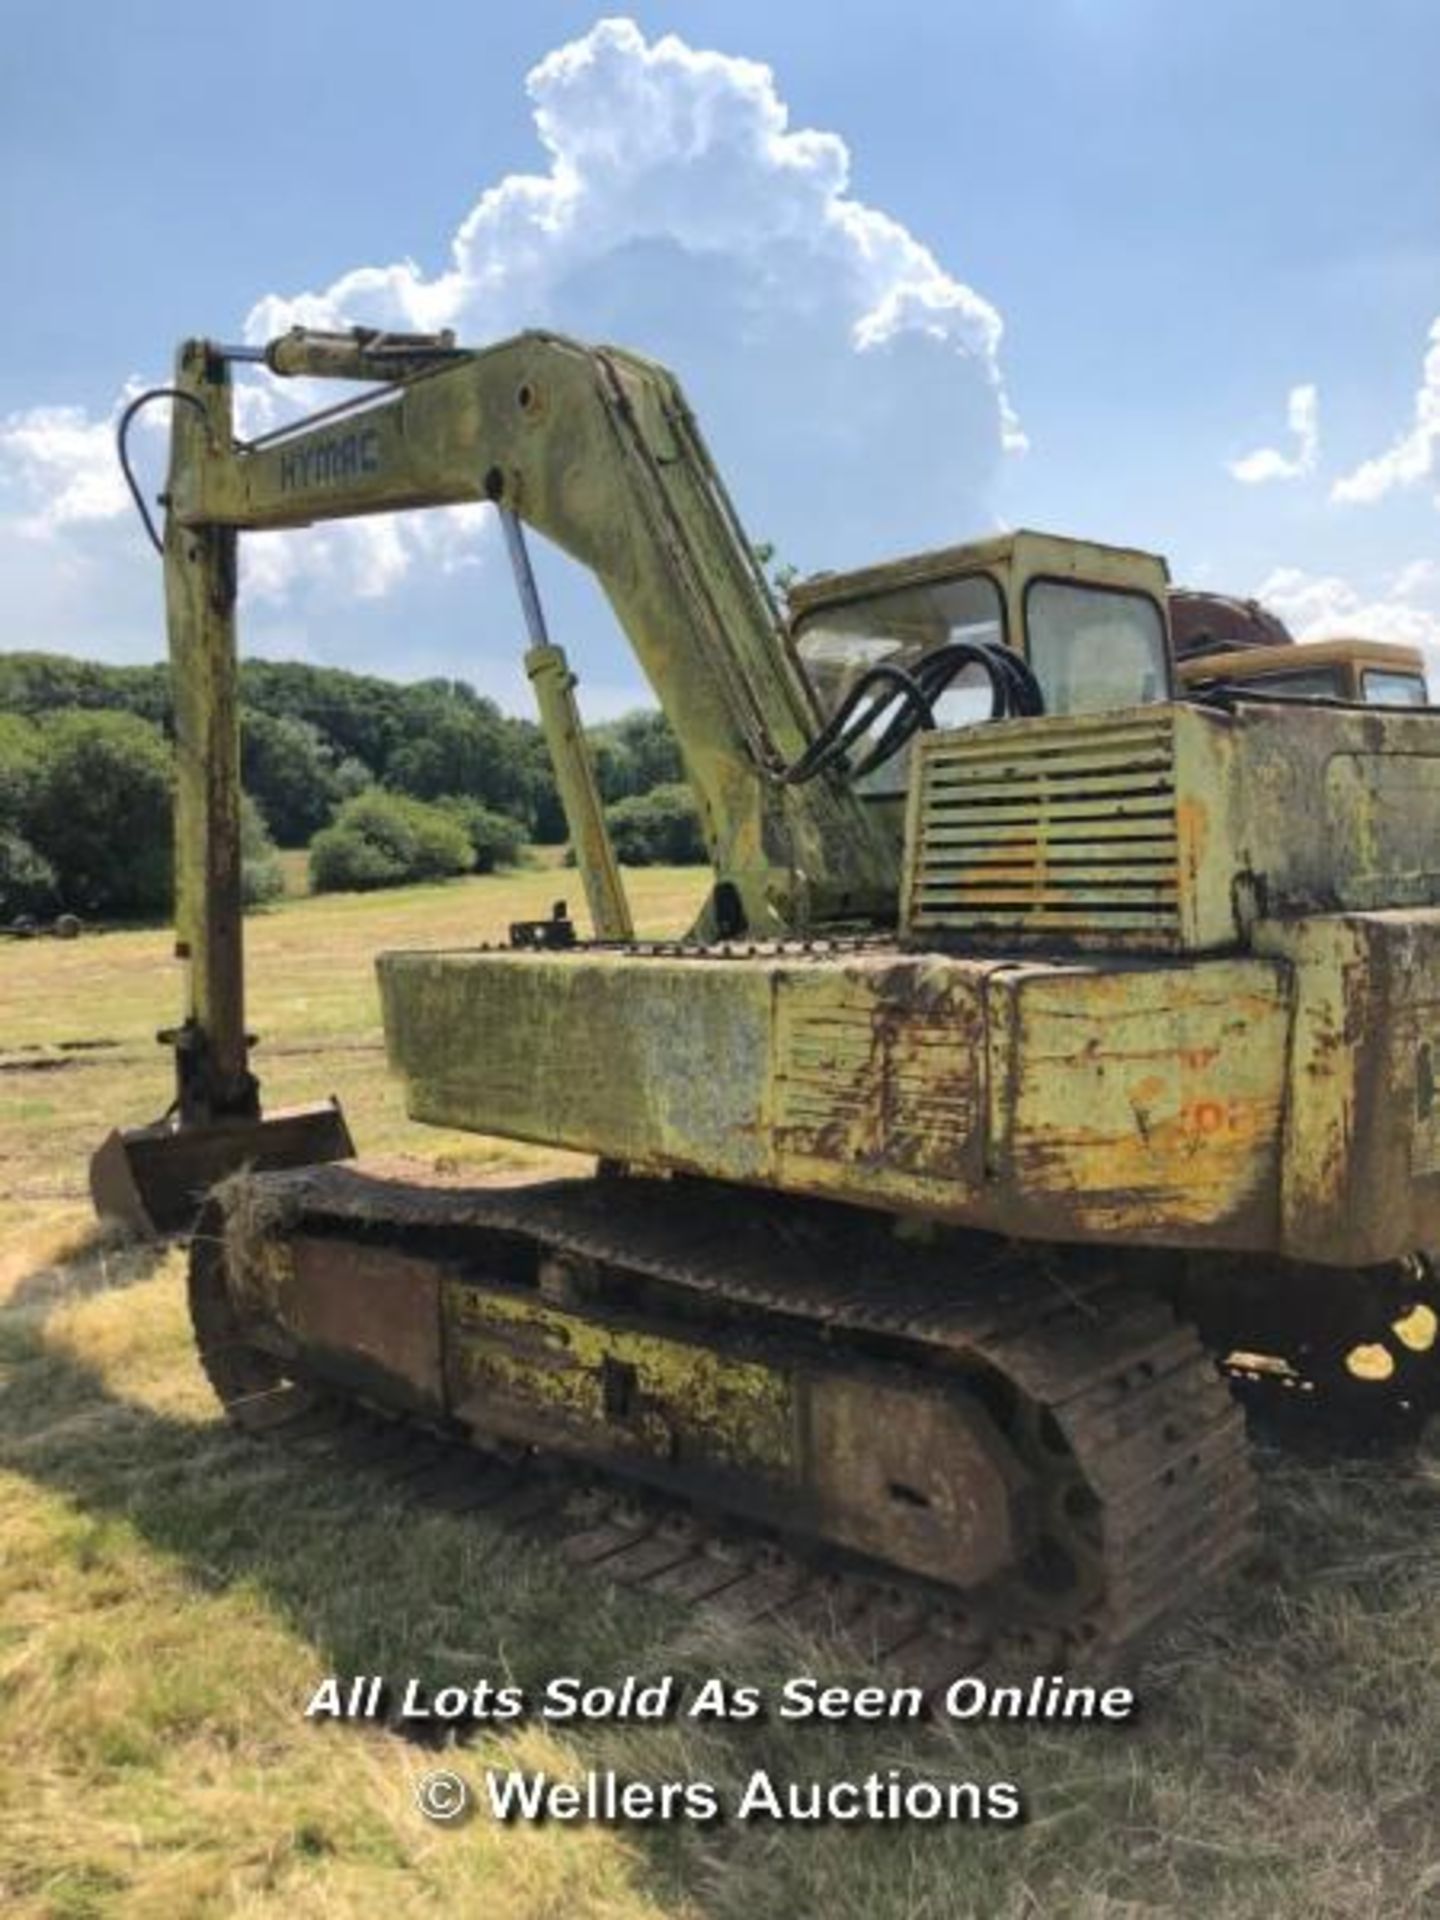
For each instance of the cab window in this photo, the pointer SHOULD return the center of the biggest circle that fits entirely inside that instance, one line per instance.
(837, 644)
(1385, 688)
(1095, 648)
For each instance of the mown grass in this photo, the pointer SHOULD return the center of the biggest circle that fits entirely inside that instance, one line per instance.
(78, 1019)
(170, 1594)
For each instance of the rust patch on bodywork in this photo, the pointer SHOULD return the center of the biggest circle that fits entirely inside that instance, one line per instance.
(1141, 1100)
(881, 1066)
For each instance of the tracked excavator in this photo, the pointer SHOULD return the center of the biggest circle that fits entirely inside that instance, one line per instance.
(1052, 1057)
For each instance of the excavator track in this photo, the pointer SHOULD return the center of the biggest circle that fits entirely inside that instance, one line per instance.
(1136, 1447)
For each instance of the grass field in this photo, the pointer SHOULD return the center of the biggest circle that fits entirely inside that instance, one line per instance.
(171, 1594)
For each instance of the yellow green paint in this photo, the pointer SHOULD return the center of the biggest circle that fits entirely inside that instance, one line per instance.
(730, 1409)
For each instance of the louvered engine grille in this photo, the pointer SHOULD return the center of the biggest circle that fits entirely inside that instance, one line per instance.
(1058, 828)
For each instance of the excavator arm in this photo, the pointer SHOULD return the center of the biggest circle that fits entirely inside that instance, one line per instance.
(594, 448)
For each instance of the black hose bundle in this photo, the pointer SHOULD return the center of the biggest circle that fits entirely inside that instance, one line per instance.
(1014, 693)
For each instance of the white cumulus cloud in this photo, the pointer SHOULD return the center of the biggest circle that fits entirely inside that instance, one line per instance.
(831, 355)
(1319, 606)
(1410, 458)
(1302, 412)
(664, 143)
(61, 463)
(850, 383)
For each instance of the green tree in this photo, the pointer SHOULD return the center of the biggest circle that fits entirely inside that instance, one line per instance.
(35, 683)
(497, 839)
(27, 881)
(542, 809)
(659, 828)
(649, 743)
(352, 776)
(286, 764)
(780, 573)
(635, 753)
(455, 745)
(381, 839)
(614, 774)
(100, 812)
(262, 878)
(359, 715)
(19, 769)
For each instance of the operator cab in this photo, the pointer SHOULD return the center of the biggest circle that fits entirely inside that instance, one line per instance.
(1371, 673)
(1089, 620)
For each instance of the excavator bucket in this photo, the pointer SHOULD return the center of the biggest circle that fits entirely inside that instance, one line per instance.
(155, 1178)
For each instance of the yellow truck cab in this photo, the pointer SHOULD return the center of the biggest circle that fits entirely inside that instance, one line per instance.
(1374, 673)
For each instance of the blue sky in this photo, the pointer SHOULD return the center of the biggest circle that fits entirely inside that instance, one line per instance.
(1067, 263)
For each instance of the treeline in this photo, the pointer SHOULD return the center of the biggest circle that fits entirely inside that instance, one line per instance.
(383, 781)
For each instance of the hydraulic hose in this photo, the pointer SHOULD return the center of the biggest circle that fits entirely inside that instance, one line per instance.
(122, 447)
(913, 692)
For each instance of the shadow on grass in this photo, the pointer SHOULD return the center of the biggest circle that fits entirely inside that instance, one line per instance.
(99, 1261)
(1323, 1631)
(375, 1583)
(378, 1584)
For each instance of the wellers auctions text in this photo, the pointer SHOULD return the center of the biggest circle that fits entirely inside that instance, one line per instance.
(569, 1698)
(883, 1797)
